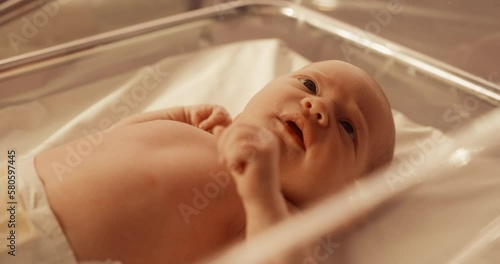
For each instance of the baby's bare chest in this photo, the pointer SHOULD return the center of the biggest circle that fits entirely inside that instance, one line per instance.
(159, 183)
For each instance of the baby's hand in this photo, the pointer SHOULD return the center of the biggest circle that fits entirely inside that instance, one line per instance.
(251, 155)
(207, 117)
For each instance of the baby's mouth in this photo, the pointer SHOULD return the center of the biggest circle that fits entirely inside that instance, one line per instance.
(296, 132)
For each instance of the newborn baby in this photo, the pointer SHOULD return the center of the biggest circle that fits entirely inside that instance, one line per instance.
(176, 185)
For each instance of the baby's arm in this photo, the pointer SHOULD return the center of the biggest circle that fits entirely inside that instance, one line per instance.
(203, 116)
(251, 155)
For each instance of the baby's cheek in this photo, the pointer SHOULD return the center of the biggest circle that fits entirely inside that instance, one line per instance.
(333, 177)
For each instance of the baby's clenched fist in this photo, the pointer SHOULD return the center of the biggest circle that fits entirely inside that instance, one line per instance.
(251, 155)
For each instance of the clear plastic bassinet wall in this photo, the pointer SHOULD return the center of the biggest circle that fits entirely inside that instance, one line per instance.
(404, 73)
(445, 81)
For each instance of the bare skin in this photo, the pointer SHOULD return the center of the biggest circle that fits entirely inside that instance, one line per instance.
(122, 202)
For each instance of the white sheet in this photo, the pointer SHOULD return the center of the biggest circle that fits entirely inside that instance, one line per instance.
(223, 76)
(426, 226)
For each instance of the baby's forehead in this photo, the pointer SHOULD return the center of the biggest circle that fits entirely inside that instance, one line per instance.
(330, 69)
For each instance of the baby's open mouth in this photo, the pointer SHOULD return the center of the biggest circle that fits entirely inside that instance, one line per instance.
(296, 132)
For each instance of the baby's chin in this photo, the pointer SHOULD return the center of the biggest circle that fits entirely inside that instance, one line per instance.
(293, 191)
(298, 202)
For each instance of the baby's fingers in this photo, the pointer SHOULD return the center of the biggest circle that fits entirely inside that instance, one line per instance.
(217, 118)
(243, 145)
(217, 131)
(237, 158)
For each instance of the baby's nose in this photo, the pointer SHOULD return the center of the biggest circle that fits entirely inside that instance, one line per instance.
(316, 109)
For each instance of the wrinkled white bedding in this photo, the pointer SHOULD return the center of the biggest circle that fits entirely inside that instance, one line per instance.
(426, 226)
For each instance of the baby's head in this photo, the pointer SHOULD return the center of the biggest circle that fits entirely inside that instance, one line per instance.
(334, 125)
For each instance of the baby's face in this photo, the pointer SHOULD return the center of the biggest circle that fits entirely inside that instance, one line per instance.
(332, 121)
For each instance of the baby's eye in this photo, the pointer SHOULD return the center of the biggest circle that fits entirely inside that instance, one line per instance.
(310, 85)
(348, 128)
